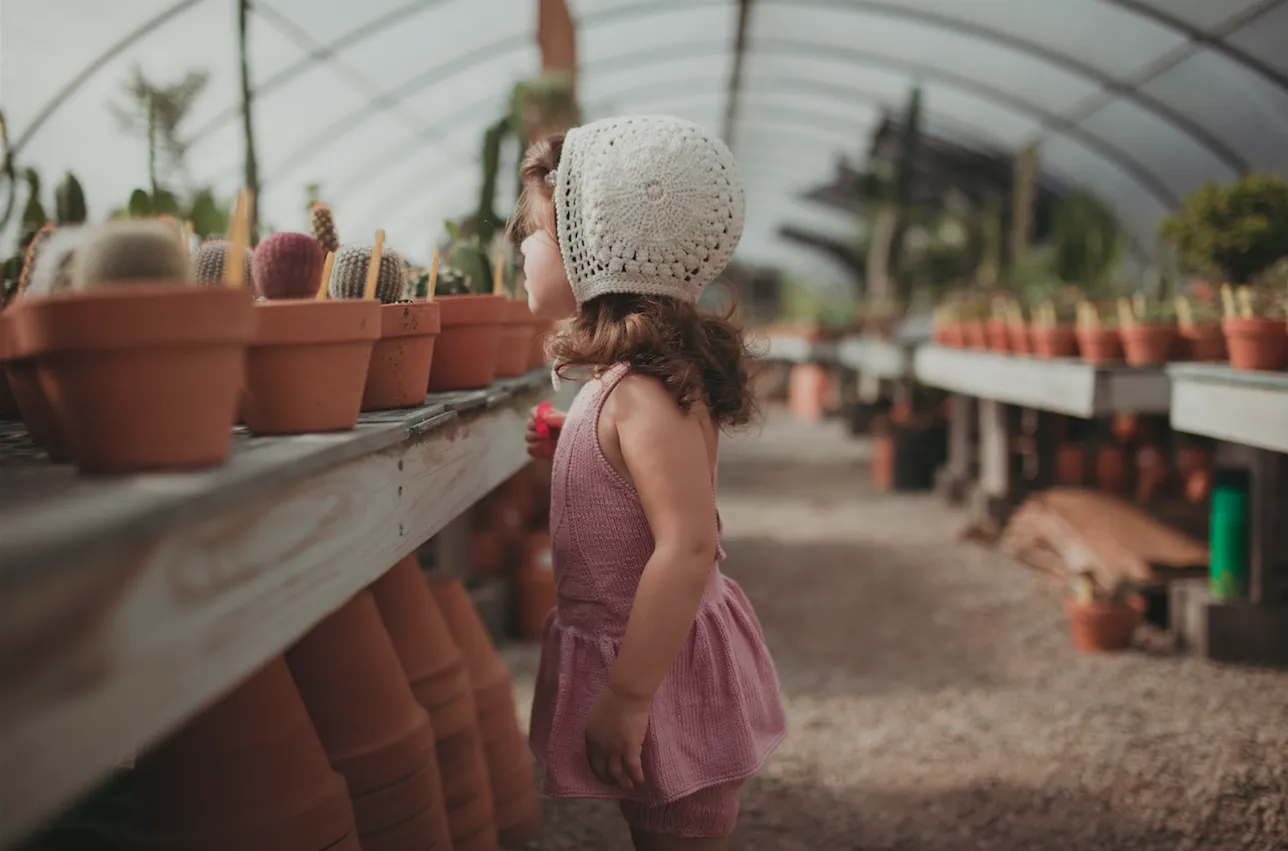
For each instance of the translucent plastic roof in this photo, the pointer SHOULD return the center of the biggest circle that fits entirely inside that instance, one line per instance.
(383, 102)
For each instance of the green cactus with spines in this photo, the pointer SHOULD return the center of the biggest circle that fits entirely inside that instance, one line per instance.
(208, 262)
(52, 268)
(69, 201)
(349, 274)
(322, 227)
(451, 281)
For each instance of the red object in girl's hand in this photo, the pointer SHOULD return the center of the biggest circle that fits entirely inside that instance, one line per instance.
(539, 419)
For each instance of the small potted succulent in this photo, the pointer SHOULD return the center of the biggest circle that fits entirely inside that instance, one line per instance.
(140, 369)
(1017, 328)
(520, 325)
(1148, 330)
(1255, 333)
(1102, 620)
(1098, 338)
(974, 312)
(1198, 325)
(997, 329)
(1052, 329)
(472, 317)
(948, 330)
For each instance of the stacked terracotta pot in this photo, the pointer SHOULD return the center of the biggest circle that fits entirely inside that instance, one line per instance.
(375, 732)
(439, 678)
(512, 788)
(248, 773)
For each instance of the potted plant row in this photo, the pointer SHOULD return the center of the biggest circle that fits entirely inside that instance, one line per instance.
(124, 352)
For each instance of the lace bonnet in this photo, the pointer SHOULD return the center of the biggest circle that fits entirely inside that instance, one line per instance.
(647, 204)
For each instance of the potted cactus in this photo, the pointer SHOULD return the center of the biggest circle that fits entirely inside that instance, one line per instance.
(402, 358)
(1148, 330)
(1017, 328)
(948, 330)
(520, 325)
(1253, 324)
(1098, 338)
(1102, 620)
(141, 369)
(307, 366)
(974, 312)
(997, 327)
(1052, 327)
(472, 317)
(1198, 325)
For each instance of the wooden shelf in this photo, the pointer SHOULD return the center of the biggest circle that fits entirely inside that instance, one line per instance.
(1063, 386)
(792, 349)
(1240, 406)
(128, 604)
(876, 356)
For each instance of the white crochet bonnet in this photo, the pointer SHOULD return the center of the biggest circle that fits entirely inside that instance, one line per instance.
(647, 204)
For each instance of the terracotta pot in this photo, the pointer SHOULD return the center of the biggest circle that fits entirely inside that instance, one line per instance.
(999, 338)
(1111, 468)
(1197, 485)
(470, 635)
(881, 463)
(307, 367)
(807, 391)
(1102, 626)
(467, 792)
(1018, 335)
(33, 407)
(1070, 465)
(536, 586)
(356, 691)
(424, 831)
(1147, 343)
(954, 335)
(456, 715)
(1151, 472)
(537, 353)
(415, 625)
(484, 840)
(524, 825)
(8, 404)
(1190, 458)
(139, 377)
(1256, 343)
(976, 335)
(514, 787)
(472, 816)
(1124, 425)
(1054, 341)
(1204, 341)
(400, 359)
(487, 552)
(516, 340)
(248, 773)
(468, 345)
(1099, 344)
(394, 804)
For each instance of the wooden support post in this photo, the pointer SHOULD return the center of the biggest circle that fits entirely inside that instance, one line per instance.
(992, 498)
(453, 556)
(1264, 582)
(869, 388)
(951, 480)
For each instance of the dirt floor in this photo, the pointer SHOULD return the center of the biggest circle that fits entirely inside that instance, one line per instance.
(934, 700)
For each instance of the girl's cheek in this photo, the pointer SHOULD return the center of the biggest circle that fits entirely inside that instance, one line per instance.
(549, 293)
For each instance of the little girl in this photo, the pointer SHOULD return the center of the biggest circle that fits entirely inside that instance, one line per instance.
(655, 686)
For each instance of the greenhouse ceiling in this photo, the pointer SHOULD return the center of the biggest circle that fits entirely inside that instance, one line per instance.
(383, 102)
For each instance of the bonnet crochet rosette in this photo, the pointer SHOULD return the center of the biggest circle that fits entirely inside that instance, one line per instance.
(646, 204)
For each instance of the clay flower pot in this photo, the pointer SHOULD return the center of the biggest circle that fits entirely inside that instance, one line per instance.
(1256, 343)
(1204, 341)
(247, 773)
(516, 340)
(415, 625)
(467, 347)
(536, 587)
(1111, 468)
(401, 358)
(976, 335)
(374, 731)
(1070, 464)
(1147, 343)
(952, 335)
(1020, 340)
(537, 353)
(1099, 344)
(1104, 626)
(999, 340)
(29, 399)
(8, 404)
(306, 369)
(470, 635)
(140, 376)
(1053, 341)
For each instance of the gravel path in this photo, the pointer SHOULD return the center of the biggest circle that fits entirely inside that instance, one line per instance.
(934, 700)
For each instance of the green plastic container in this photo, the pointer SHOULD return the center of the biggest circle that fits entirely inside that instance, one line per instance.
(1228, 535)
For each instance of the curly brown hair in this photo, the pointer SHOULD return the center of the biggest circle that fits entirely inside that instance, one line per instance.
(700, 357)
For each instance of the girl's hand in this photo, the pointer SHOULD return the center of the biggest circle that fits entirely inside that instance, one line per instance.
(615, 739)
(544, 426)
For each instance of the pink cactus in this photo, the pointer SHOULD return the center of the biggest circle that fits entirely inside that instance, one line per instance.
(288, 265)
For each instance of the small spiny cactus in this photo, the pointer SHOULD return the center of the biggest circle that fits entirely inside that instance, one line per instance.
(29, 262)
(322, 228)
(130, 251)
(288, 265)
(349, 274)
(208, 262)
(451, 281)
(53, 267)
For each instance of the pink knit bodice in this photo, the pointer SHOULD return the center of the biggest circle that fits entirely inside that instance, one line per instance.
(717, 714)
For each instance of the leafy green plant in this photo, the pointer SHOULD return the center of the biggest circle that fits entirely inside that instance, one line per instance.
(1086, 243)
(466, 257)
(1233, 231)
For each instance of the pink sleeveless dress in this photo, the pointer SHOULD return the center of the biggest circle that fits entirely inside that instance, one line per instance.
(717, 715)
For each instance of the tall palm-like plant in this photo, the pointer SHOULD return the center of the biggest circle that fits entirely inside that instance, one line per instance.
(155, 112)
(248, 129)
